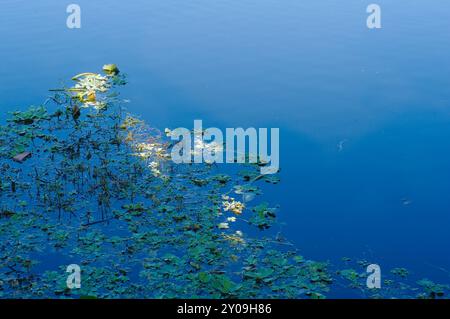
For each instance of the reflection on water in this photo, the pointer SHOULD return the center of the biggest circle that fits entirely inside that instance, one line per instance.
(310, 68)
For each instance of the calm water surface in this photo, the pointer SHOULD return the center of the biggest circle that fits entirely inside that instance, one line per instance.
(364, 115)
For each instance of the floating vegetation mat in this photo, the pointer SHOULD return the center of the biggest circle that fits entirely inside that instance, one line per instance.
(84, 182)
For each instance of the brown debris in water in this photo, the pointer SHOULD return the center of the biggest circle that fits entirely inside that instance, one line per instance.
(22, 157)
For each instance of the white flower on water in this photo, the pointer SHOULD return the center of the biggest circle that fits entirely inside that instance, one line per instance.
(154, 167)
(211, 147)
(223, 226)
(96, 105)
(93, 82)
(230, 204)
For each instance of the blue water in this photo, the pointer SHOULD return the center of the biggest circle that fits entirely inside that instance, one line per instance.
(311, 68)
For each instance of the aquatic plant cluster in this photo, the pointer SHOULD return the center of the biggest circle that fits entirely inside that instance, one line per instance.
(84, 182)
